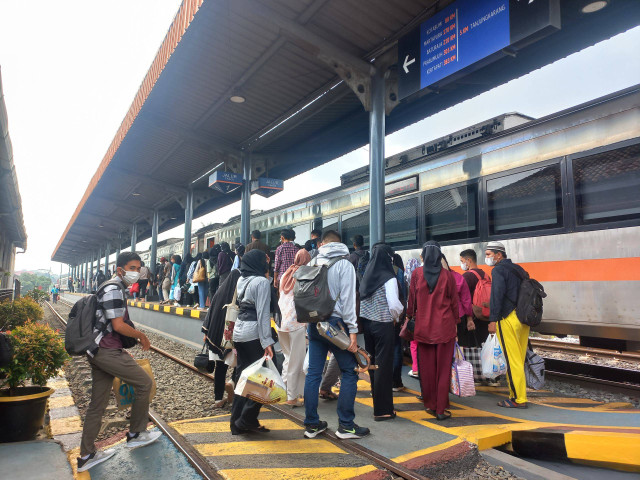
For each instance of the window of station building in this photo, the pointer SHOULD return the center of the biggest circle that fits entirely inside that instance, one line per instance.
(355, 223)
(525, 201)
(452, 214)
(303, 233)
(401, 222)
(607, 186)
(325, 223)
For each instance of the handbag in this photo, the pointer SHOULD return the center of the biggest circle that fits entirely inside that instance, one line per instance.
(200, 274)
(533, 369)
(230, 319)
(461, 375)
(202, 362)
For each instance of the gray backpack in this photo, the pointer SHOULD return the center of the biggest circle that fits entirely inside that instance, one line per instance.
(534, 369)
(311, 291)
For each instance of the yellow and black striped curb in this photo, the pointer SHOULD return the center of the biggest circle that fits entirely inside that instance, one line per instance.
(182, 311)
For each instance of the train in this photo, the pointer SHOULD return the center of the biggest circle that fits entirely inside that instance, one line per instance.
(561, 192)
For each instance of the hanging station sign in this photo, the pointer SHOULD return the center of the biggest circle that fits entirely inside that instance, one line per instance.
(225, 182)
(267, 187)
(467, 35)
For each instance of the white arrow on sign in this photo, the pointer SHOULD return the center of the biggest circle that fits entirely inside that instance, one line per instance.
(407, 62)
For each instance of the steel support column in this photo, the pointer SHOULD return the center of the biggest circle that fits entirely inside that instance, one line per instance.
(106, 259)
(154, 242)
(245, 206)
(86, 275)
(99, 260)
(134, 236)
(376, 161)
(118, 247)
(188, 217)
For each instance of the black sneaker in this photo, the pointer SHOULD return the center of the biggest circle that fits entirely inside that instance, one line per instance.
(312, 431)
(353, 432)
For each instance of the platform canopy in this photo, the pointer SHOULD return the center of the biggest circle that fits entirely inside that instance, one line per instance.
(302, 69)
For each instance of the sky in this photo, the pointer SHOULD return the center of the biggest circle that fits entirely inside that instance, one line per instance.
(70, 70)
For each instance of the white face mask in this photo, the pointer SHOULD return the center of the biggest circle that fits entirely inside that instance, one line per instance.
(491, 261)
(130, 277)
(464, 266)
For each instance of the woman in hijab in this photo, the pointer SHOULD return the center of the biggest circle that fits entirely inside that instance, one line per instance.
(398, 357)
(212, 271)
(433, 304)
(412, 264)
(251, 334)
(380, 308)
(291, 334)
(213, 328)
(224, 261)
(176, 266)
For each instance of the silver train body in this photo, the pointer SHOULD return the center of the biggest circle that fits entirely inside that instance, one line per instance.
(562, 193)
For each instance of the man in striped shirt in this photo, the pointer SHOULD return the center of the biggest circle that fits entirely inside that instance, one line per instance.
(285, 254)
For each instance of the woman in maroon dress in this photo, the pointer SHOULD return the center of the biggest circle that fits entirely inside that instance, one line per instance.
(433, 304)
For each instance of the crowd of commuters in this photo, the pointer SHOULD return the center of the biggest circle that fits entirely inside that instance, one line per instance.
(375, 294)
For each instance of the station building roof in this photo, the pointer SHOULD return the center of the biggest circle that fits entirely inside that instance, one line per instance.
(288, 60)
(11, 221)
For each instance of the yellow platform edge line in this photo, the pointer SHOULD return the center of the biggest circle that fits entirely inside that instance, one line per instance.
(61, 402)
(195, 313)
(62, 426)
(324, 473)
(621, 450)
(223, 427)
(268, 447)
(189, 420)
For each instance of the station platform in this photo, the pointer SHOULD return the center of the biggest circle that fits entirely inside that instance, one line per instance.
(554, 426)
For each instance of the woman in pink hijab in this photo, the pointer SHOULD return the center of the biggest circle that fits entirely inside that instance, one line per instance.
(291, 334)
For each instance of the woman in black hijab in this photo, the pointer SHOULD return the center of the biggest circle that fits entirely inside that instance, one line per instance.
(432, 257)
(214, 276)
(225, 261)
(380, 309)
(213, 328)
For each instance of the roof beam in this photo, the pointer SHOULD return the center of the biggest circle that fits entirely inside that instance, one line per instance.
(304, 37)
(148, 179)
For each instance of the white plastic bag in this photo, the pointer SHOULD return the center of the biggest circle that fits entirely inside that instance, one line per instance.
(305, 365)
(262, 383)
(493, 362)
(177, 293)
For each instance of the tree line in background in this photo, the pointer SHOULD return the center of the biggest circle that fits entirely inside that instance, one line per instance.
(31, 281)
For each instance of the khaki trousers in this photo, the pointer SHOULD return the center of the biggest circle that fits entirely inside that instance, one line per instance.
(105, 365)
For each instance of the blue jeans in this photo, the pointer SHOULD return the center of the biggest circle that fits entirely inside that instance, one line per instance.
(202, 293)
(318, 349)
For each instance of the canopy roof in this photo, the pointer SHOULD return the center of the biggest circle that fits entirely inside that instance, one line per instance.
(11, 221)
(284, 57)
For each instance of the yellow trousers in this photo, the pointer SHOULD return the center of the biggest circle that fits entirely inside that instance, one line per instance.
(513, 336)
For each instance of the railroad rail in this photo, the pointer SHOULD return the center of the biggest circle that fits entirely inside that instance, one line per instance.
(199, 463)
(193, 456)
(573, 348)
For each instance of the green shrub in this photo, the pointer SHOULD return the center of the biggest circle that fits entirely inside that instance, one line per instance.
(38, 295)
(38, 354)
(20, 311)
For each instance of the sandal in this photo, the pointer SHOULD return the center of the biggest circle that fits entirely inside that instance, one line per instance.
(295, 403)
(509, 403)
(328, 395)
(382, 418)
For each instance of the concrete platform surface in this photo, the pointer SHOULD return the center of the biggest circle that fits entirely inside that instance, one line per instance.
(38, 460)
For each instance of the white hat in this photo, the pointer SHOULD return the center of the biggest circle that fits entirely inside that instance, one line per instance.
(496, 246)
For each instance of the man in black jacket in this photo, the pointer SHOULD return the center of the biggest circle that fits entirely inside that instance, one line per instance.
(512, 334)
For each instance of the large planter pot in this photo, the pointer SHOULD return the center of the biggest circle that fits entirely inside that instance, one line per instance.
(22, 415)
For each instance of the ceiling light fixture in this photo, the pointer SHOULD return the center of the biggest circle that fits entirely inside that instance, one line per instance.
(136, 194)
(592, 7)
(237, 99)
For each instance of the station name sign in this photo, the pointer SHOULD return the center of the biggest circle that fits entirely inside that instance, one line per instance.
(459, 37)
(225, 182)
(267, 187)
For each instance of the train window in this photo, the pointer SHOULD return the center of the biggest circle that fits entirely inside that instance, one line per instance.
(452, 214)
(355, 223)
(607, 186)
(525, 201)
(401, 222)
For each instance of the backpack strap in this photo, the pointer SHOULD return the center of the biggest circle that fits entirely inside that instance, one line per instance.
(476, 274)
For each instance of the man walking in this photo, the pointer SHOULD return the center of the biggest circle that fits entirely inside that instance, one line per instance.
(512, 334)
(341, 278)
(112, 361)
(285, 254)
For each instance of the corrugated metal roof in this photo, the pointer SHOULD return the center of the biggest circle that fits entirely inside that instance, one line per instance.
(182, 124)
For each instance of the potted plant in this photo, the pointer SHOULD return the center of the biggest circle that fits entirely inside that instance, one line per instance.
(38, 354)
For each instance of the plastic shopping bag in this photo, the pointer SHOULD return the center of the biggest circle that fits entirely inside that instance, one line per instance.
(493, 362)
(262, 383)
(461, 375)
(177, 293)
(125, 393)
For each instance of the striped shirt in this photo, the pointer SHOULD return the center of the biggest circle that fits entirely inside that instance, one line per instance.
(111, 304)
(375, 307)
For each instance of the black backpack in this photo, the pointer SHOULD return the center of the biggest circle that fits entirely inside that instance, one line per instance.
(80, 336)
(529, 302)
(311, 292)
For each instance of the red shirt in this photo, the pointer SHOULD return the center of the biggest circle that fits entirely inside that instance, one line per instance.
(436, 313)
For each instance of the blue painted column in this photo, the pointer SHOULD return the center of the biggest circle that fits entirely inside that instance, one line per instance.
(245, 203)
(376, 162)
(188, 218)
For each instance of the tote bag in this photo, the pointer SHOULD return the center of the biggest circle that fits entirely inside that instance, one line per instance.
(125, 393)
(461, 375)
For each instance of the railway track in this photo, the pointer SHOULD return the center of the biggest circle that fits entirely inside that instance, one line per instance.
(203, 466)
(579, 349)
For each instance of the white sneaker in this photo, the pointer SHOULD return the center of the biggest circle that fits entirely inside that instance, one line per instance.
(94, 459)
(413, 374)
(143, 438)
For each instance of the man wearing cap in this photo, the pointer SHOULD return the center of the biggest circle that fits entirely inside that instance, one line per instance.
(512, 334)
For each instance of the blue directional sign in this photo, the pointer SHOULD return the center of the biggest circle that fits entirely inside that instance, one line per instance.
(267, 186)
(467, 35)
(225, 182)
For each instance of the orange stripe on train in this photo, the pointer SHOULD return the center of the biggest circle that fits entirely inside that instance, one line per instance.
(605, 269)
